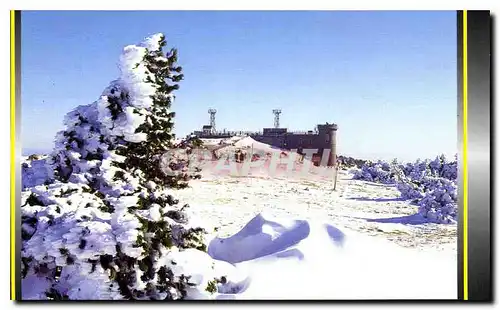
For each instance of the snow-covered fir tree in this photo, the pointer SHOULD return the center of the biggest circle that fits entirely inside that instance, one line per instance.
(98, 217)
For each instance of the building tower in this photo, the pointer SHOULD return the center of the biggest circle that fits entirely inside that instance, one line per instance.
(277, 113)
(212, 119)
(328, 132)
(333, 146)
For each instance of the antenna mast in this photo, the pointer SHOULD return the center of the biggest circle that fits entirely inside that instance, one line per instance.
(277, 113)
(212, 118)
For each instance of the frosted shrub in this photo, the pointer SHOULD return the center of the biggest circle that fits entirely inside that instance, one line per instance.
(439, 167)
(436, 198)
(429, 184)
(440, 204)
(349, 162)
(409, 190)
(432, 186)
(417, 170)
(380, 172)
(105, 225)
(444, 168)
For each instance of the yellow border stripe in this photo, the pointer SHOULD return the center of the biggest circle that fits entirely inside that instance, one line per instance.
(465, 180)
(12, 154)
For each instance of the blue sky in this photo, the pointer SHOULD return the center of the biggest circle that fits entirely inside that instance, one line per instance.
(388, 79)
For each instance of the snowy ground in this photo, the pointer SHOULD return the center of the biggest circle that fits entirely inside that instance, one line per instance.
(290, 235)
(228, 203)
(269, 226)
(285, 258)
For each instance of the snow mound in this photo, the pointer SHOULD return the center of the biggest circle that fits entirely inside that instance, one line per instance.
(230, 145)
(279, 258)
(262, 236)
(248, 142)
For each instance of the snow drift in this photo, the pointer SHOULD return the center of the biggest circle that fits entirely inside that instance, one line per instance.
(279, 258)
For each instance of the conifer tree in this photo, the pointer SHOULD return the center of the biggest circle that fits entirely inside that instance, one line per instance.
(106, 218)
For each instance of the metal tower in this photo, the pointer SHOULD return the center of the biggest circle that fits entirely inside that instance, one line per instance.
(212, 118)
(277, 113)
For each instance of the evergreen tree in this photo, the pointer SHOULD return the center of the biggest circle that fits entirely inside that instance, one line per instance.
(106, 217)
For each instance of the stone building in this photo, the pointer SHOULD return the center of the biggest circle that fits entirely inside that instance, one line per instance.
(323, 139)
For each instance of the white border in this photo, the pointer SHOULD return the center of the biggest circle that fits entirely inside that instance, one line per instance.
(179, 5)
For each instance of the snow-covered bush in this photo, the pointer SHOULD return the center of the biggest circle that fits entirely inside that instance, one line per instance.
(444, 168)
(380, 172)
(435, 196)
(432, 186)
(350, 162)
(439, 167)
(440, 204)
(104, 224)
(429, 184)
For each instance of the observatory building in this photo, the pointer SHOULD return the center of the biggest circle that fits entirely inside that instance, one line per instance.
(324, 137)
